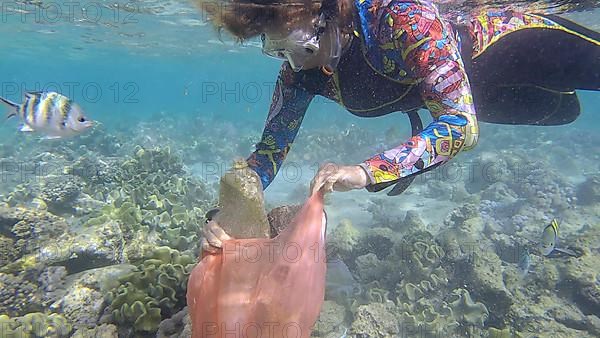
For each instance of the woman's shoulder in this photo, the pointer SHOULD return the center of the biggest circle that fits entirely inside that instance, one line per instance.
(379, 5)
(378, 13)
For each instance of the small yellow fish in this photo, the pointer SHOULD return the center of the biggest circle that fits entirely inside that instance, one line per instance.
(549, 241)
(549, 237)
(50, 113)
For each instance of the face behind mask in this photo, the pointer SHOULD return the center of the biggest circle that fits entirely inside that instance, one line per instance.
(307, 47)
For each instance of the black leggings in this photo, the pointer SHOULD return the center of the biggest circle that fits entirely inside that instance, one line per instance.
(529, 76)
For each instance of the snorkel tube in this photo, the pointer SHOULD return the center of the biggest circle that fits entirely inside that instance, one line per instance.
(330, 13)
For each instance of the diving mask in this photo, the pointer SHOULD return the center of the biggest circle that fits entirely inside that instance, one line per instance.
(303, 45)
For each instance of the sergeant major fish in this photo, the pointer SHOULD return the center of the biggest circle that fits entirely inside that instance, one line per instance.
(50, 113)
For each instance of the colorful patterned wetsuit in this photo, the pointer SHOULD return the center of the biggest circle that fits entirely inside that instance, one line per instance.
(417, 53)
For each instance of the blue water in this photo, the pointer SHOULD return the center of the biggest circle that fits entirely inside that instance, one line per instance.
(164, 60)
(128, 72)
(127, 66)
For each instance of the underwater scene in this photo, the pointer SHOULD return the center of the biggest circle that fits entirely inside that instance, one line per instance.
(445, 155)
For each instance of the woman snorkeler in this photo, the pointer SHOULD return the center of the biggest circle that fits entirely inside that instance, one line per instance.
(375, 57)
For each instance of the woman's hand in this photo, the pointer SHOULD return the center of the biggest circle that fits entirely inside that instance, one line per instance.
(339, 178)
(213, 237)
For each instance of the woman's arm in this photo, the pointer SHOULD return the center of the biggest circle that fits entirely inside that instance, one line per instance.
(287, 110)
(430, 51)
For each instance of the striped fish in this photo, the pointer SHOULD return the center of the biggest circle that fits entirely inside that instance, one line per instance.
(549, 237)
(549, 241)
(50, 113)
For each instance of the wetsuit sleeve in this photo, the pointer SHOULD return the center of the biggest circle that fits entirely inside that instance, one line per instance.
(431, 53)
(288, 106)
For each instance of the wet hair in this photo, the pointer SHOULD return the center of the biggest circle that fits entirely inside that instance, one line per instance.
(246, 19)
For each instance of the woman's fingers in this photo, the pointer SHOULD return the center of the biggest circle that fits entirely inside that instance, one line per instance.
(207, 247)
(329, 184)
(218, 231)
(316, 184)
(214, 235)
(323, 182)
(326, 173)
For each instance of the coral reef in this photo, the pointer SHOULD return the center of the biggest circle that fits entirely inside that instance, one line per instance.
(82, 298)
(373, 258)
(178, 326)
(378, 241)
(420, 294)
(342, 240)
(17, 296)
(77, 210)
(375, 320)
(412, 220)
(422, 311)
(577, 278)
(46, 182)
(77, 250)
(153, 194)
(29, 229)
(35, 325)
(382, 212)
(482, 274)
(331, 319)
(135, 205)
(588, 192)
(7, 253)
(51, 284)
(60, 193)
(466, 310)
(102, 330)
(405, 284)
(155, 290)
(149, 192)
(545, 190)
